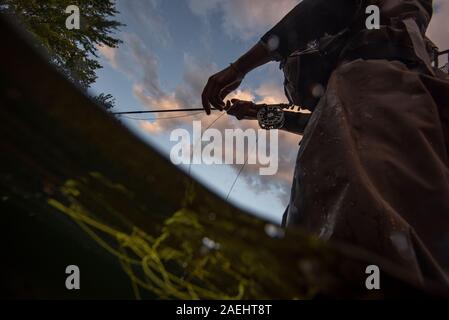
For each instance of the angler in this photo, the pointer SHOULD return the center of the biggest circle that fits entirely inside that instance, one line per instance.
(372, 168)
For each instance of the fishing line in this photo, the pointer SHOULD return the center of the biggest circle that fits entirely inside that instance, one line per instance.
(236, 179)
(239, 173)
(208, 127)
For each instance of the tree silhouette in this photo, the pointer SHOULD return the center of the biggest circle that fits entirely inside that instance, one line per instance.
(74, 51)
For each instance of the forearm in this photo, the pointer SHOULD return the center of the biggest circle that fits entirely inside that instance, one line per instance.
(255, 57)
(295, 122)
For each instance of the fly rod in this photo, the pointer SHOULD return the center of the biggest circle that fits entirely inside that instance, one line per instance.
(161, 111)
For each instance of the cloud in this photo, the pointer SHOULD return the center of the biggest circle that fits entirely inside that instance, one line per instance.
(271, 93)
(110, 54)
(147, 66)
(244, 19)
(151, 127)
(146, 15)
(139, 64)
(240, 94)
(159, 101)
(203, 7)
(194, 78)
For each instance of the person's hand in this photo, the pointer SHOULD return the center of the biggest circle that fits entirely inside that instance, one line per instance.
(218, 87)
(242, 109)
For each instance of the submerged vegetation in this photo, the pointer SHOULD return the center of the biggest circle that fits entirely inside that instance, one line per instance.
(182, 260)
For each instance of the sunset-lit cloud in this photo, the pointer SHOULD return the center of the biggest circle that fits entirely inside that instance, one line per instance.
(151, 127)
(110, 54)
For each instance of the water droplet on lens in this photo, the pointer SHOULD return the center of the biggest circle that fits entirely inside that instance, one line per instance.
(210, 244)
(273, 42)
(274, 231)
(318, 90)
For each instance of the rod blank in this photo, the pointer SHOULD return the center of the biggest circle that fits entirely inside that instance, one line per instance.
(161, 111)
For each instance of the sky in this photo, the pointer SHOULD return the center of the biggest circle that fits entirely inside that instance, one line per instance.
(170, 48)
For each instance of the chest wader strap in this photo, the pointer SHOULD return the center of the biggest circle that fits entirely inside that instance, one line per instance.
(418, 43)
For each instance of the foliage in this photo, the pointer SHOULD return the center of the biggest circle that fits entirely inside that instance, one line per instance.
(106, 100)
(74, 52)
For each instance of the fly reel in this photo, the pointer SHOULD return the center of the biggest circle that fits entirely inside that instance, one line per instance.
(271, 117)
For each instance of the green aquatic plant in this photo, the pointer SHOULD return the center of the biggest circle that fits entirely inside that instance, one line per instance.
(179, 263)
